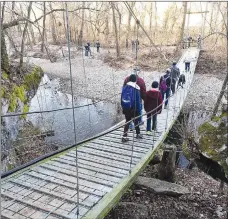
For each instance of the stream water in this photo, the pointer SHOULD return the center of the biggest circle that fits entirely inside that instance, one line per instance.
(89, 120)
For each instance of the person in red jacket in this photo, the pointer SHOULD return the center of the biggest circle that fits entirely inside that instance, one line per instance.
(153, 106)
(141, 83)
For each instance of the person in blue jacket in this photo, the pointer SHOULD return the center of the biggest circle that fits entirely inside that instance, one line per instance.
(131, 105)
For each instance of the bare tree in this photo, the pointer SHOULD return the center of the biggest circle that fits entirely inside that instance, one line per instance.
(23, 37)
(222, 92)
(82, 26)
(115, 28)
(182, 26)
(53, 26)
(44, 28)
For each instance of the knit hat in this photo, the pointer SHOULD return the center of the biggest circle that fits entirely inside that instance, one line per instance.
(154, 84)
(132, 78)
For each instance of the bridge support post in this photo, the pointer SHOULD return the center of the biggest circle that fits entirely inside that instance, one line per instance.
(166, 170)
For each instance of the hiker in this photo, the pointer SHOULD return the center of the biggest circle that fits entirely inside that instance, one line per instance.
(153, 106)
(140, 82)
(127, 43)
(98, 46)
(199, 41)
(131, 105)
(86, 50)
(165, 85)
(89, 49)
(175, 73)
(187, 63)
(181, 81)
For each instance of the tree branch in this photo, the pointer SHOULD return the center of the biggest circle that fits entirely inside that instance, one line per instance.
(17, 21)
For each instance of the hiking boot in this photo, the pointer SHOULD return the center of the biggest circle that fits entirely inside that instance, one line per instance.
(139, 136)
(125, 139)
(148, 133)
(165, 107)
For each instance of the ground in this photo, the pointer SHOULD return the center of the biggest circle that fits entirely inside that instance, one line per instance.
(101, 76)
(203, 202)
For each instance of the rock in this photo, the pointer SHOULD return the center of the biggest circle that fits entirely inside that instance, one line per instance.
(131, 210)
(162, 187)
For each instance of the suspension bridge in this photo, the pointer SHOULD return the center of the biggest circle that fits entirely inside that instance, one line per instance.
(87, 180)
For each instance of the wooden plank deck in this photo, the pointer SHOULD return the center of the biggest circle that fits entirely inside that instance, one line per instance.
(48, 189)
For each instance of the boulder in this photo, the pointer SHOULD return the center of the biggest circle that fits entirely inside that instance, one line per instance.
(162, 187)
(213, 140)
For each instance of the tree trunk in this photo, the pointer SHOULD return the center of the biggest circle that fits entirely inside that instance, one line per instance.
(23, 37)
(82, 26)
(166, 169)
(4, 55)
(220, 96)
(44, 27)
(32, 34)
(182, 26)
(48, 54)
(3, 11)
(53, 28)
(151, 18)
(116, 30)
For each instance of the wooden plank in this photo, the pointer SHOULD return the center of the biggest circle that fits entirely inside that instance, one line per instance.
(122, 166)
(68, 184)
(92, 166)
(107, 155)
(66, 177)
(84, 172)
(118, 151)
(49, 167)
(121, 146)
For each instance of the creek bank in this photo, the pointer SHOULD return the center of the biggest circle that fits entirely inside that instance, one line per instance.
(17, 90)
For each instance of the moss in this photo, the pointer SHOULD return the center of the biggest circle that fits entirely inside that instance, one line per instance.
(186, 150)
(3, 92)
(25, 110)
(5, 75)
(20, 92)
(206, 127)
(32, 80)
(12, 102)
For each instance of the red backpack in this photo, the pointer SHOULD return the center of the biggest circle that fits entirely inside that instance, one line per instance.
(163, 86)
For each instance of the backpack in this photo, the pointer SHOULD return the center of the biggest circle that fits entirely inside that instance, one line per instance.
(163, 85)
(128, 97)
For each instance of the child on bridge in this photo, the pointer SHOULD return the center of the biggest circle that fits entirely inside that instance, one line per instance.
(153, 106)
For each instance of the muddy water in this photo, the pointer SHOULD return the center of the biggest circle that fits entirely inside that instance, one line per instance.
(89, 120)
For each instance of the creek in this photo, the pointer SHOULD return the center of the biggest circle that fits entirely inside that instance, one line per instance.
(89, 120)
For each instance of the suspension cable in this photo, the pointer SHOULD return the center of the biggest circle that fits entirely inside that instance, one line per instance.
(72, 99)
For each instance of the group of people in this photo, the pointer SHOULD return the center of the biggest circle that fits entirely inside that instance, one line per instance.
(188, 40)
(134, 44)
(88, 49)
(134, 92)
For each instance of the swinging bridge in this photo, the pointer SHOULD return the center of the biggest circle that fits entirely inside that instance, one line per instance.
(87, 180)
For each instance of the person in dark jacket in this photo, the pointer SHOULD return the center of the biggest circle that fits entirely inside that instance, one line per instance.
(153, 106)
(98, 46)
(141, 83)
(134, 111)
(166, 92)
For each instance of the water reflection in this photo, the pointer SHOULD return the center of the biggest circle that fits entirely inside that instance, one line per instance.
(90, 120)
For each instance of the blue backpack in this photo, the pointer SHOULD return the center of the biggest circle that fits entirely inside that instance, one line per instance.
(128, 97)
